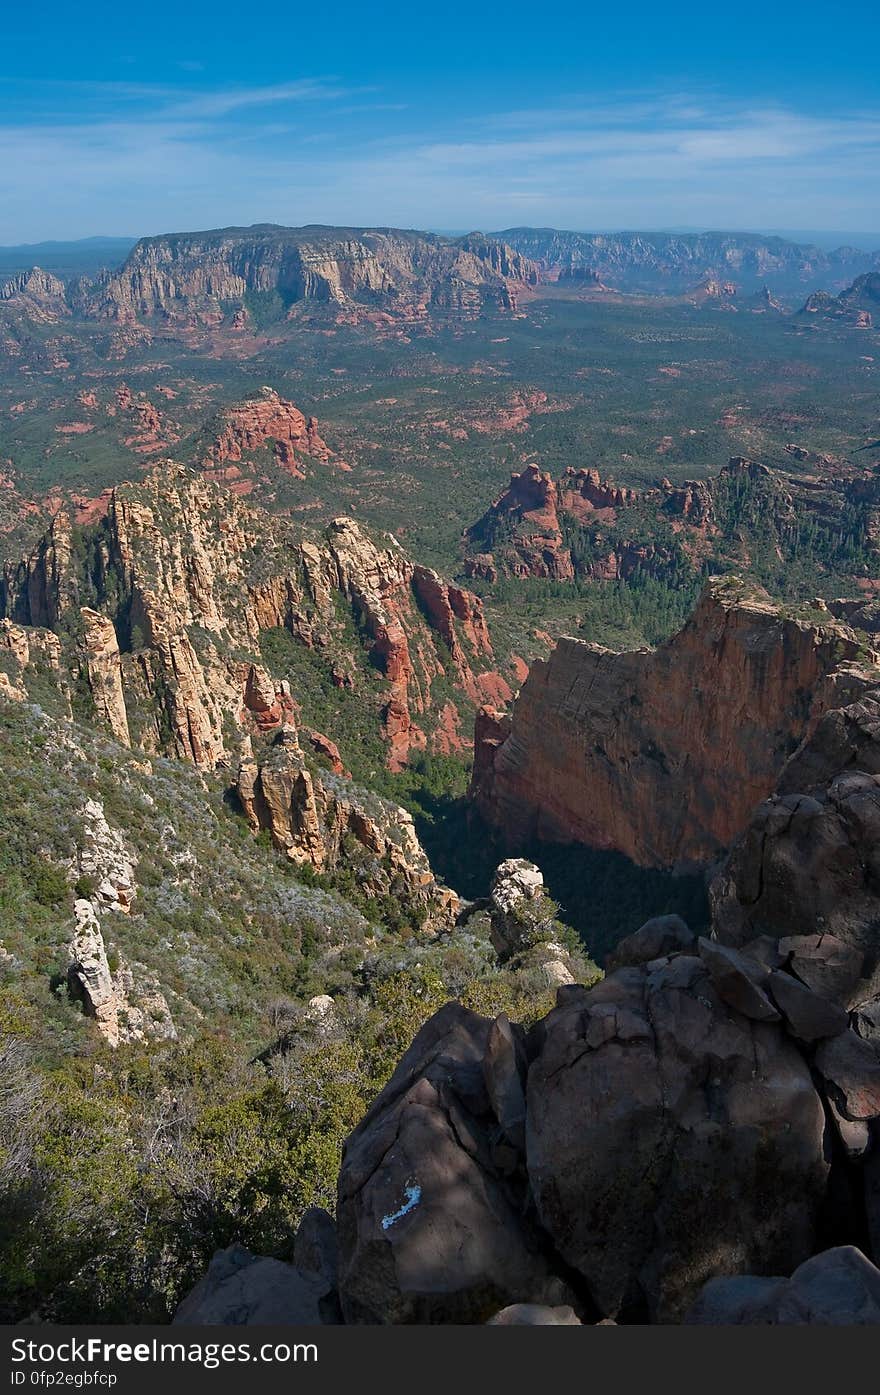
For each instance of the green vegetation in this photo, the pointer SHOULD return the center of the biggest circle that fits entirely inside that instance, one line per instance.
(121, 1171)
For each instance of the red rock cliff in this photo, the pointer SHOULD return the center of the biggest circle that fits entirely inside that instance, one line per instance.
(662, 754)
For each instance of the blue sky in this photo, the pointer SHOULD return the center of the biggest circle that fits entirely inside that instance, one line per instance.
(143, 119)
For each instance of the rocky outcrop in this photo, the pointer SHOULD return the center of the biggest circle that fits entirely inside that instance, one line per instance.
(104, 669)
(530, 507)
(662, 754)
(38, 294)
(522, 925)
(125, 1000)
(806, 869)
(651, 1150)
(89, 973)
(241, 1288)
(265, 421)
(123, 1010)
(582, 525)
(857, 305)
(315, 818)
(103, 860)
(838, 1288)
(671, 1126)
(188, 575)
(24, 648)
(204, 277)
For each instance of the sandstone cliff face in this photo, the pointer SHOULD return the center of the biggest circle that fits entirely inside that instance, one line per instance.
(663, 754)
(312, 816)
(186, 576)
(104, 668)
(43, 586)
(201, 277)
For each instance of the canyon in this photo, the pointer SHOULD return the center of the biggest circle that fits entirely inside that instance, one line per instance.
(691, 1139)
(662, 755)
(247, 634)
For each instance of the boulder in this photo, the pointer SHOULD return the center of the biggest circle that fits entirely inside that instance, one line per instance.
(807, 869)
(826, 964)
(734, 1300)
(669, 1137)
(737, 980)
(866, 1020)
(850, 1069)
(243, 1289)
(808, 1015)
(504, 1072)
(665, 934)
(432, 1205)
(838, 1288)
(315, 1247)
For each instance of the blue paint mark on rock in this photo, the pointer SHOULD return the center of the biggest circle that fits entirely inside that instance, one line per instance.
(413, 1194)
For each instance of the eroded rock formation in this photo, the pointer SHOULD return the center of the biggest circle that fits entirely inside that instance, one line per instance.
(188, 576)
(39, 294)
(123, 1009)
(265, 421)
(313, 817)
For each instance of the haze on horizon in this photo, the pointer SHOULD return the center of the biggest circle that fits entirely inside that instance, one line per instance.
(135, 124)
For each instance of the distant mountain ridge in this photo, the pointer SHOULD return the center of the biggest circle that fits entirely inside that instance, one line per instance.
(674, 262)
(81, 257)
(255, 275)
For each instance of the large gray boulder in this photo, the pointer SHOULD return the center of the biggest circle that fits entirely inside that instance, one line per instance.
(243, 1289)
(432, 1209)
(670, 1138)
(664, 934)
(838, 1288)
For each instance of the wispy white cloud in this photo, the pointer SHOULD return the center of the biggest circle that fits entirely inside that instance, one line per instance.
(312, 150)
(223, 102)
